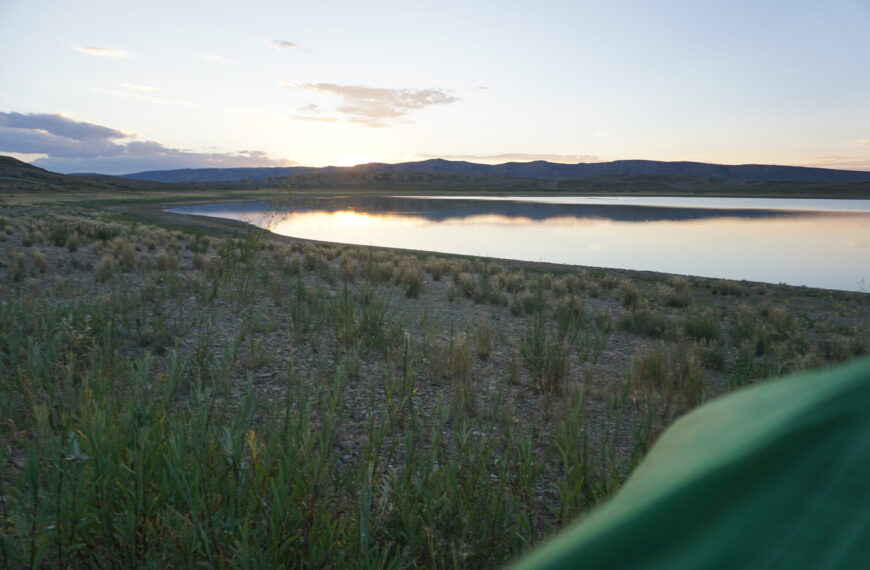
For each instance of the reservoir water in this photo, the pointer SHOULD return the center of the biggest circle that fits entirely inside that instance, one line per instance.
(817, 243)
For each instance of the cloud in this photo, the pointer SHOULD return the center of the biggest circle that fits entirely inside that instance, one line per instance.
(68, 145)
(138, 87)
(101, 51)
(516, 157)
(312, 115)
(315, 119)
(864, 142)
(58, 126)
(377, 106)
(283, 44)
(26, 156)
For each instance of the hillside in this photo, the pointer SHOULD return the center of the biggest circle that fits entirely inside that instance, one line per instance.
(352, 180)
(19, 176)
(543, 169)
(214, 174)
(537, 169)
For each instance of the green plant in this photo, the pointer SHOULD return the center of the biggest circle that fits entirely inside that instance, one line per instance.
(546, 356)
(483, 336)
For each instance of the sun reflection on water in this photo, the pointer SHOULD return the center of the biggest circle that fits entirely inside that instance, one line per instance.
(815, 249)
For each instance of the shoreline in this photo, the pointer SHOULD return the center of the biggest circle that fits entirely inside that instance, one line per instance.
(196, 219)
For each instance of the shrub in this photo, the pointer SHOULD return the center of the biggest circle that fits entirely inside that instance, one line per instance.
(39, 262)
(290, 263)
(528, 302)
(744, 324)
(630, 294)
(312, 258)
(436, 268)
(466, 283)
(712, 355)
(780, 321)
(724, 287)
(671, 297)
(702, 324)
(105, 268)
(452, 292)
(124, 252)
(167, 261)
(570, 315)
(545, 356)
(673, 376)
(212, 267)
(58, 234)
(15, 269)
(411, 275)
(483, 336)
(461, 362)
(349, 268)
(650, 370)
(515, 282)
(645, 321)
(608, 281)
(199, 244)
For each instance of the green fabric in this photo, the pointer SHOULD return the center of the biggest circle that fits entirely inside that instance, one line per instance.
(773, 476)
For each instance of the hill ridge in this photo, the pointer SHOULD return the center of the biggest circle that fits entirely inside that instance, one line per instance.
(536, 169)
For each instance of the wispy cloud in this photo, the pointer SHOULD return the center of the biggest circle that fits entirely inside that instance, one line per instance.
(138, 87)
(101, 51)
(315, 119)
(69, 145)
(376, 106)
(864, 142)
(284, 44)
(516, 157)
(312, 114)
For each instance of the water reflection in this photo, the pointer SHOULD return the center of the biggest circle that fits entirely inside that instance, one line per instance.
(802, 247)
(440, 210)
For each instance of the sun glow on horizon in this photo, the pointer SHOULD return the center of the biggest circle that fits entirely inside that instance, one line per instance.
(350, 160)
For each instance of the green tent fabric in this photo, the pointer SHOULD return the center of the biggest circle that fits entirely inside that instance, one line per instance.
(774, 476)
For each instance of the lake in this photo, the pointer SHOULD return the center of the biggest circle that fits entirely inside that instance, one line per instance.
(817, 243)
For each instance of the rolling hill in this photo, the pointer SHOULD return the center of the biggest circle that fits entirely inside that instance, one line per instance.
(537, 169)
(18, 176)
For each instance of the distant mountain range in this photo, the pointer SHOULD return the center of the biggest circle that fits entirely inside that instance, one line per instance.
(17, 176)
(532, 170)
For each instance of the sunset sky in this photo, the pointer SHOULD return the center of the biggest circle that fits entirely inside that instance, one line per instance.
(118, 87)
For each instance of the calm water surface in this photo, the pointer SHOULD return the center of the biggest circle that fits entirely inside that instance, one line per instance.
(818, 243)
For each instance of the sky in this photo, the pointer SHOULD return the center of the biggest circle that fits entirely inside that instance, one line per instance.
(118, 87)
